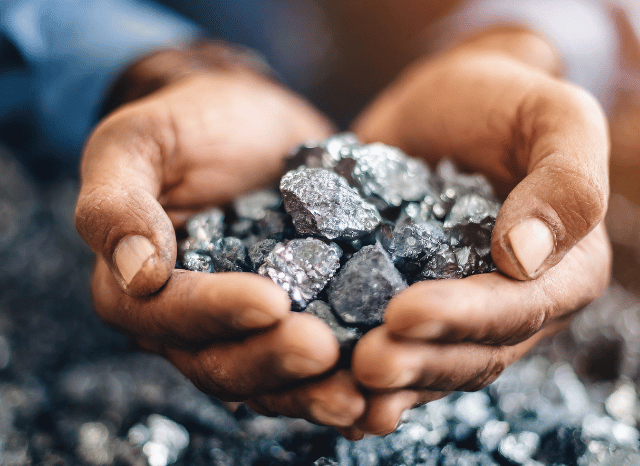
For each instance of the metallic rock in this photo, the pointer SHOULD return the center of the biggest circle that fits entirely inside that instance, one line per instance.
(470, 262)
(442, 264)
(207, 225)
(364, 286)
(197, 262)
(326, 153)
(470, 222)
(255, 205)
(231, 256)
(385, 175)
(321, 202)
(302, 267)
(259, 251)
(412, 244)
(455, 184)
(346, 336)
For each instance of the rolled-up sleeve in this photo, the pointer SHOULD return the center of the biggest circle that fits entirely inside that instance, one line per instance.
(72, 52)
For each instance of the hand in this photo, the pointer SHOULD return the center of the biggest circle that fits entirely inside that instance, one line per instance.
(200, 140)
(537, 138)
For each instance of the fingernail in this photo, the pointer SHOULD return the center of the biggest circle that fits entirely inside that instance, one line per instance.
(131, 254)
(301, 366)
(532, 242)
(328, 417)
(427, 331)
(252, 318)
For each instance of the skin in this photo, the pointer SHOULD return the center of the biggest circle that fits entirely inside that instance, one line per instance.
(494, 104)
(546, 146)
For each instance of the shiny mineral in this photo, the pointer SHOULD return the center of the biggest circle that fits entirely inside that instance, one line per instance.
(302, 267)
(364, 286)
(321, 203)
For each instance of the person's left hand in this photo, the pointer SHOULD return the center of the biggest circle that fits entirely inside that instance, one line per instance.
(544, 143)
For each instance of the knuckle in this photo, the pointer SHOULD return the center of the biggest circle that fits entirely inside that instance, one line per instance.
(208, 375)
(583, 198)
(495, 365)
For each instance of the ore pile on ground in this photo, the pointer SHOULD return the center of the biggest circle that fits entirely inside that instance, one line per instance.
(350, 226)
(74, 392)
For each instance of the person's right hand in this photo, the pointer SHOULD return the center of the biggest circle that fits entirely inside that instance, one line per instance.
(199, 141)
(544, 145)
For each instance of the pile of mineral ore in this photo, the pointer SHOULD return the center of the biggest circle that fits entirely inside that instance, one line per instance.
(348, 228)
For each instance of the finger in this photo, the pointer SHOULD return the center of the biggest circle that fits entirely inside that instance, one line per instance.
(382, 362)
(351, 433)
(564, 195)
(494, 309)
(301, 346)
(385, 410)
(335, 401)
(117, 213)
(193, 308)
(544, 140)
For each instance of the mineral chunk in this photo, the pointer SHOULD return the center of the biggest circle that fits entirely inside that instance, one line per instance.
(456, 184)
(471, 221)
(206, 226)
(443, 263)
(302, 267)
(393, 222)
(254, 206)
(346, 336)
(326, 153)
(231, 256)
(471, 262)
(385, 175)
(197, 262)
(412, 244)
(321, 203)
(364, 286)
(259, 251)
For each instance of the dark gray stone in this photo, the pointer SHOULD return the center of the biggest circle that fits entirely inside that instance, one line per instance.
(207, 225)
(259, 251)
(302, 267)
(385, 175)
(346, 336)
(197, 262)
(442, 264)
(321, 202)
(412, 244)
(455, 184)
(364, 286)
(230, 256)
(255, 205)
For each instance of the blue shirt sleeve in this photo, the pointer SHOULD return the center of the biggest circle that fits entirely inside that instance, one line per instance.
(73, 50)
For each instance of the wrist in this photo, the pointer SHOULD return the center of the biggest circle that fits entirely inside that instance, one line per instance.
(162, 68)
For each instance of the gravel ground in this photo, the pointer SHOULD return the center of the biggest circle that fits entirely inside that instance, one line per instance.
(75, 392)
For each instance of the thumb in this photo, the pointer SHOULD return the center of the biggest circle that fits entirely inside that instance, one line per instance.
(117, 213)
(564, 193)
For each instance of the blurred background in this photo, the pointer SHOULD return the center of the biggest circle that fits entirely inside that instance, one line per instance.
(75, 392)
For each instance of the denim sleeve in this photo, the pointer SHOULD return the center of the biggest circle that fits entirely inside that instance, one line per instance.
(72, 52)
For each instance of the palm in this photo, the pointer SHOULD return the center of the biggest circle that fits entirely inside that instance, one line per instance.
(226, 136)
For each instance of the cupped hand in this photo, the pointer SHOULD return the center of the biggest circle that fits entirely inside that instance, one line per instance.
(199, 141)
(543, 142)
